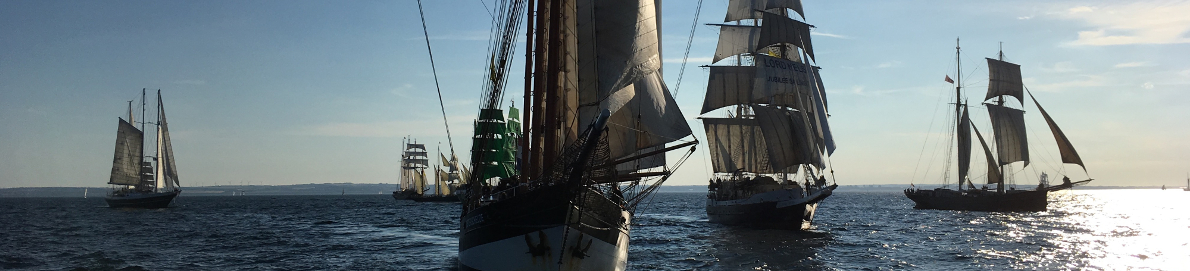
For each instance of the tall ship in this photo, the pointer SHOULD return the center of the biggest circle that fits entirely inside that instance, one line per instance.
(137, 180)
(1000, 193)
(770, 152)
(599, 121)
(414, 162)
(448, 181)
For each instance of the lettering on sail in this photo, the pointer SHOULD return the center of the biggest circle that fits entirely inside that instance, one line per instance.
(776, 76)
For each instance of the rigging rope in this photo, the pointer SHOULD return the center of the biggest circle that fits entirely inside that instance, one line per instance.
(689, 40)
(435, 71)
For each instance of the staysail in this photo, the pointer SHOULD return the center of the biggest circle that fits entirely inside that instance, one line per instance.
(126, 165)
(1009, 127)
(964, 138)
(165, 163)
(1069, 155)
(993, 168)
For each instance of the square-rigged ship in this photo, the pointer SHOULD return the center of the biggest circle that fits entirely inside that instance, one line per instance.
(1008, 126)
(138, 182)
(598, 118)
(776, 128)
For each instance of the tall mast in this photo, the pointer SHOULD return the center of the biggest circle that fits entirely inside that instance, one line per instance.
(958, 98)
(526, 114)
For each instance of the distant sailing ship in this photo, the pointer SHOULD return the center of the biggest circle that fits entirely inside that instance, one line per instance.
(446, 182)
(777, 131)
(138, 182)
(414, 162)
(598, 117)
(1008, 124)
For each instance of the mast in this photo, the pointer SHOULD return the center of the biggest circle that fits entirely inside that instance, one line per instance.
(958, 100)
(526, 118)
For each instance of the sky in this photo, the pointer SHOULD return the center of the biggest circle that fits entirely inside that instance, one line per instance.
(292, 92)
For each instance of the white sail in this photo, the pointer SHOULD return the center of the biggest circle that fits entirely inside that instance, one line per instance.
(733, 85)
(1009, 126)
(736, 40)
(776, 76)
(1069, 155)
(749, 9)
(648, 121)
(737, 144)
(620, 47)
(779, 29)
(165, 162)
(419, 181)
(1004, 79)
(128, 155)
(441, 183)
(822, 127)
(993, 168)
(788, 137)
(964, 138)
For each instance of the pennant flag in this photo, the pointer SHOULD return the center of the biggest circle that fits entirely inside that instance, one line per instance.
(948, 80)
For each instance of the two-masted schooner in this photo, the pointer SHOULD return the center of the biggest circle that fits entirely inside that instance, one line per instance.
(1011, 145)
(140, 181)
(770, 151)
(598, 118)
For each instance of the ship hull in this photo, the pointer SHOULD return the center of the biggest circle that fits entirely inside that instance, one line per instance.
(537, 231)
(987, 201)
(141, 200)
(403, 194)
(781, 209)
(446, 198)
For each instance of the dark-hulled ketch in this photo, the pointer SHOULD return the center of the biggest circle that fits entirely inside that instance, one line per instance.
(1008, 126)
(598, 117)
(137, 182)
(776, 130)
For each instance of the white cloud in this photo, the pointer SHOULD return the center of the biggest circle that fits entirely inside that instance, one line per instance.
(1132, 23)
(191, 82)
(1025, 17)
(402, 91)
(824, 34)
(1133, 64)
(1147, 85)
(1064, 66)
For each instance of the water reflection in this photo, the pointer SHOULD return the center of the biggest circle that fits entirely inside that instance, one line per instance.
(738, 248)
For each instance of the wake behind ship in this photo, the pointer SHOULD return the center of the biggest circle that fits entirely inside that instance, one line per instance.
(1008, 124)
(137, 182)
(598, 118)
(768, 152)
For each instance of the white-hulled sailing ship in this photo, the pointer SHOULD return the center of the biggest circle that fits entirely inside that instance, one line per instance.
(598, 117)
(769, 152)
(1011, 144)
(414, 162)
(140, 181)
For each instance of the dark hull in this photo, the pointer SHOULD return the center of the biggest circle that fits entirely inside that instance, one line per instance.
(447, 198)
(141, 200)
(403, 194)
(767, 214)
(988, 201)
(537, 231)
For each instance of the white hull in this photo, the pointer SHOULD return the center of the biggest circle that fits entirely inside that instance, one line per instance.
(582, 252)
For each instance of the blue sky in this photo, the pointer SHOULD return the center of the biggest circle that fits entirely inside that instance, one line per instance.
(285, 92)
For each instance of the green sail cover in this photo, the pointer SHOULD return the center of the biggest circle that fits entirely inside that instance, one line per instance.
(495, 142)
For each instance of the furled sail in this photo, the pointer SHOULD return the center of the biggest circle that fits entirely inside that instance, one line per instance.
(1069, 155)
(735, 40)
(1009, 126)
(126, 165)
(964, 137)
(788, 137)
(1004, 79)
(993, 168)
(778, 29)
(166, 161)
(737, 144)
(748, 9)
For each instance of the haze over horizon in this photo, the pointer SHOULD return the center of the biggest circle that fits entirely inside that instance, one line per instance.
(296, 92)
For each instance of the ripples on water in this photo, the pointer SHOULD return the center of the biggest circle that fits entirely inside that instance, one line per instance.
(1092, 229)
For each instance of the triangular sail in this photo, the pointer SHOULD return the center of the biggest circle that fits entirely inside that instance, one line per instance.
(1004, 79)
(1009, 126)
(1069, 155)
(993, 168)
(126, 165)
(964, 138)
(166, 160)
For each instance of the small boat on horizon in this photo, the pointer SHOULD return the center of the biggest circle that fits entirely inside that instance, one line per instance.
(140, 181)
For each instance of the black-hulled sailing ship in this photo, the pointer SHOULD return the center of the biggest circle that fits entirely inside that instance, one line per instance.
(768, 152)
(447, 182)
(414, 162)
(598, 117)
(140, 181)
(1011, 144)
